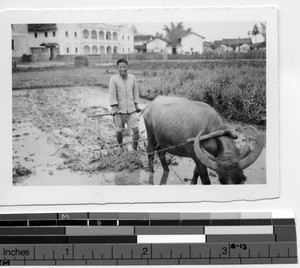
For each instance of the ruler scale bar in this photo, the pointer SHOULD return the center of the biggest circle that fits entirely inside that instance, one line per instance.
(147, 238)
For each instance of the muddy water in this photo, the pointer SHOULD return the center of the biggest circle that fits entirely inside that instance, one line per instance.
(34, 152)
(54, 139)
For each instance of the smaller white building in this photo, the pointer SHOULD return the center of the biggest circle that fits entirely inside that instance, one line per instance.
(157, 45)
(190, 43)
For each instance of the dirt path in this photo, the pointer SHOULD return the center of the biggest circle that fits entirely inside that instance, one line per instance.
(54, 143)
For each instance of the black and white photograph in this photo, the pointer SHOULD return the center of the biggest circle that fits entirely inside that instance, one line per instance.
(183, 102)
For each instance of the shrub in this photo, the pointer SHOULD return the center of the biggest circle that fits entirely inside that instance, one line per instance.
(26, 58)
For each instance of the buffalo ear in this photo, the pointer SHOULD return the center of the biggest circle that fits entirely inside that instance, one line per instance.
(245, 151)
(251, 156)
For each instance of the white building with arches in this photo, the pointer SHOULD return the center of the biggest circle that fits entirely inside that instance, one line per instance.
(82, 39)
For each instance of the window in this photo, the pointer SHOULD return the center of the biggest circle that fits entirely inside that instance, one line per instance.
(108, 36)
(76, 49)
(35, 35)
(46, 34)
(67, 34)
(68, 50)
(75, 34)
(192, 49)
(101, 35)
(53, 34)
(85, 34)
(94, 34)
(12, 44)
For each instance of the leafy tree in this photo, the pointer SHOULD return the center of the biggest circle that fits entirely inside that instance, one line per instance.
(160, 35)
(174, 32)
(134, 29)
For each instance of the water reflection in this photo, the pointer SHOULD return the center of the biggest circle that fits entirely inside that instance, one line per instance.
(139, 177)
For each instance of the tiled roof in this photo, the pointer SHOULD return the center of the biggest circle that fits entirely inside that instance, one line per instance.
(182, 36)
(49, 44)
(156, 38)
(141, 37)
(41, 27)
(237, 41)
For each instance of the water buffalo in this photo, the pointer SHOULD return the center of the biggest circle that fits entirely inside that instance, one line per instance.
(171, 121)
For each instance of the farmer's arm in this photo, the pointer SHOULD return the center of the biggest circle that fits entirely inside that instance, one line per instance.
(136, 95)
(112, 94)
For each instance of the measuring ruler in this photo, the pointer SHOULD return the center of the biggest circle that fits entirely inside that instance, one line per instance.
(147, 238)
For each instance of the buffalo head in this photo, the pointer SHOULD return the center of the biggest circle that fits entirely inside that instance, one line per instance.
(229, 162)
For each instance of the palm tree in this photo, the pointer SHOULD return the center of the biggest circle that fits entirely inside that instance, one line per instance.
(174, 32)
(263, 30)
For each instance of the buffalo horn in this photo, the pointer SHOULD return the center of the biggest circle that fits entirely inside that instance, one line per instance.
(202, 156)
(249, 158)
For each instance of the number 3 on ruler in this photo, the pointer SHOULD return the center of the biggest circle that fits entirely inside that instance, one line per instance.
(224, 250)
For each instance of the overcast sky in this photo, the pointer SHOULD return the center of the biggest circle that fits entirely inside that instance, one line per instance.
(210, 30)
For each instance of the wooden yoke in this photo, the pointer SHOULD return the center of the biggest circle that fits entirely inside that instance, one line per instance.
(219, 133)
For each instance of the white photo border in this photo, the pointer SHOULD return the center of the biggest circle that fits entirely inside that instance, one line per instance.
(55, 195)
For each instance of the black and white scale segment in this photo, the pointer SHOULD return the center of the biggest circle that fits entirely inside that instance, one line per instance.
(148, 238)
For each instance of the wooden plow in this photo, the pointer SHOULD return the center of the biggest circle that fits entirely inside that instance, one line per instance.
(110, 148)
(102, 144)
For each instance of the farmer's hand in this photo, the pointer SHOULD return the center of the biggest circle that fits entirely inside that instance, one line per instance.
(137, 108)
(114, 109)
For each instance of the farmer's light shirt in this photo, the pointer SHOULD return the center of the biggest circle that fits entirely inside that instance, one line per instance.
(124, 93)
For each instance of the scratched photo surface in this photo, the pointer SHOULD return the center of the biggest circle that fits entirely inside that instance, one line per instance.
(63, 130)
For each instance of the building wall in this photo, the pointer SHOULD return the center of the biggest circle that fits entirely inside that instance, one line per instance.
(192, 44)
(156, 46)
(37, 38)
(40, 54)
(69, 39)
(126, 40)
(20, 41)
(99, 39)
(88, 38)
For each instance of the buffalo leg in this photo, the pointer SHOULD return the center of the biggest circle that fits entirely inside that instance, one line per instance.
(150, 150)
(162, 157)
(200, 170)
(195, 176)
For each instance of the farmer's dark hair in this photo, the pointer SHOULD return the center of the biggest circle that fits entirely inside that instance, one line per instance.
(122, 60)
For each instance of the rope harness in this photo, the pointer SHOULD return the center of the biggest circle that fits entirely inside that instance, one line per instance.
(219, 133)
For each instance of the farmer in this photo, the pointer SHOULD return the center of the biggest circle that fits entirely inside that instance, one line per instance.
(124, 98)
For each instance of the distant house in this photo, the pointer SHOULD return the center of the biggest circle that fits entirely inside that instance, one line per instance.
(43, 41)
(158, 45)
(237, 45)
(19, 41)
(208, 46)
(140, 42)
(190, 43)
(259, 45)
